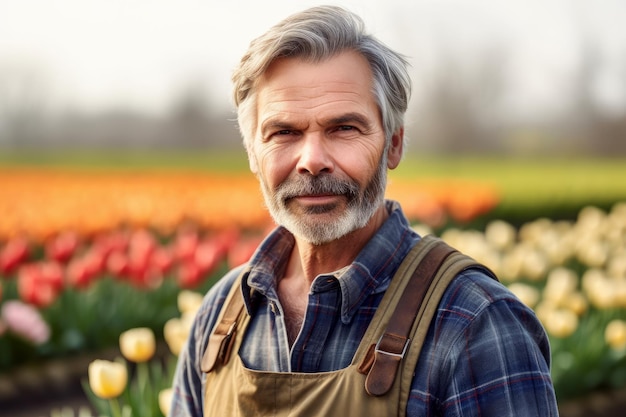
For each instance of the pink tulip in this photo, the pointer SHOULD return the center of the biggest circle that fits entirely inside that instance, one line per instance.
(25, 321)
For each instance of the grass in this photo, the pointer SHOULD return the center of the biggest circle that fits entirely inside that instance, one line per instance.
(533, 187)
(128, 159)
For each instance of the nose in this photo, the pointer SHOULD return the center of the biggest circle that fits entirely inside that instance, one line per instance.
(315, 156)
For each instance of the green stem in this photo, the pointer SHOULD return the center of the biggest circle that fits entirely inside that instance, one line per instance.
(142, 376)
(115, 408)
(143, 380)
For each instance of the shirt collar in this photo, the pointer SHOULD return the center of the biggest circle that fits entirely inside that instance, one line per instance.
(370, 272)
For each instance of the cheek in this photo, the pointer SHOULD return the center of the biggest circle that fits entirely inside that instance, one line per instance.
(360, 165)
(273, 167)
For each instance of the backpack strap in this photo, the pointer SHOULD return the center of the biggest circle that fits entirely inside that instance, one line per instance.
(412, 316)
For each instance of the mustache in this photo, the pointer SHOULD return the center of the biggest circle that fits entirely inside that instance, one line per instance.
(316, 185)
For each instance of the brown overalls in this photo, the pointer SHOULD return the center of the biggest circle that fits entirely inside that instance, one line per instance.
(232, 390)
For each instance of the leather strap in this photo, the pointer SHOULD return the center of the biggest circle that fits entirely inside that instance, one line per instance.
(221, 340)
(383, 359)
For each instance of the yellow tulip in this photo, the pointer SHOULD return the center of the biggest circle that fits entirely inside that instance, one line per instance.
(500, 234)
(560, 284)
(189, 301)
(577, 302)
(615, 334)
(560, 323)
(138, 345)
(176, 332)
(599, 289)
(165, 400)
(107, 379)
(527, 294)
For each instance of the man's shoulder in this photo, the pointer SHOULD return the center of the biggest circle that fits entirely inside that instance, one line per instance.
(473, 291)
(215, 297)
(476, 308)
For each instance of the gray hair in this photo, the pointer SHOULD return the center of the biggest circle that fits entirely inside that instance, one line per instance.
(316, 34)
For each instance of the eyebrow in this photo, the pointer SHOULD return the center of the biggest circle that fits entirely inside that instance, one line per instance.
(349, 118)
(276, 125)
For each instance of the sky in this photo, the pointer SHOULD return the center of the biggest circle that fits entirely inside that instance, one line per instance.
(140, 54)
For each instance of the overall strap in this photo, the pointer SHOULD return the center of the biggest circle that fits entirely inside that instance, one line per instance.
(412, 316)
(221, 340)
(382, 360)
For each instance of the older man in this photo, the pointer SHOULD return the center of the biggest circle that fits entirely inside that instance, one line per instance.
(309, 326)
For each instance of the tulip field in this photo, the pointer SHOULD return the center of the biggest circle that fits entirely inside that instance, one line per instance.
(101, 256)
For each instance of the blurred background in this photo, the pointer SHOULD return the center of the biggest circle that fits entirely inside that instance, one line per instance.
(517, 77)
(125, 193)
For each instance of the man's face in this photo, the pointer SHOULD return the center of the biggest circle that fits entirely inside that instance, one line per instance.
(319, 146)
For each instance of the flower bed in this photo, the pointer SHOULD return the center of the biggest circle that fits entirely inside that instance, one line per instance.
(87, 256)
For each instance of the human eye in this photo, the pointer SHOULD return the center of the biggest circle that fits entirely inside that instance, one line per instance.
(346, 128)
(348, 125)
(283, 132)
(345, 131)
(280, 135)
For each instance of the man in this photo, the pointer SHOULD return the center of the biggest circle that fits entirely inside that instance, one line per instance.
(320, 107)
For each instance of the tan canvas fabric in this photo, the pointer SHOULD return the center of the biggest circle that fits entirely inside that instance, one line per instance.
(233, 390)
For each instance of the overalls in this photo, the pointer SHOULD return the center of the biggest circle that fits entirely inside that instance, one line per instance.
(232, 390)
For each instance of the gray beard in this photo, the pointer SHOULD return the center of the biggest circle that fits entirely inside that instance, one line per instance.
(361, 204)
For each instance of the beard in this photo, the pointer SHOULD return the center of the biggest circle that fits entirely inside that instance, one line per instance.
(318, 224)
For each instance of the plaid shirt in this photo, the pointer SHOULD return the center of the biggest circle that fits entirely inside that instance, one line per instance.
(486, 354)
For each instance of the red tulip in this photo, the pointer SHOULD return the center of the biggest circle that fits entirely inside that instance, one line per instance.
(227, 239)
(208, 256)
(141, 246)
(95, 262)
(113, 241)
(82, 271)
(146, 277)
(15, 252)
(141, 243)
(162, 259)
(241, 252)
(35, 286)
(189, 275)
(77, 275)
(62, 246)
(117, 264)
(52, 273)
(185, 244)
(138, 266)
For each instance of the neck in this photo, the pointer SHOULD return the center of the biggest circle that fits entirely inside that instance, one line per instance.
(307, 261)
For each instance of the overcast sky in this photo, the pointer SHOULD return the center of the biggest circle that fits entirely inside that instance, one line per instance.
(138, 54)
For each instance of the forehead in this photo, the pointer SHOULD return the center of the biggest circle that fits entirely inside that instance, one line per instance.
(295, 85)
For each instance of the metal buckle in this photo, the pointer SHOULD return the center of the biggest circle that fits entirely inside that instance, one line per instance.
(397, 355)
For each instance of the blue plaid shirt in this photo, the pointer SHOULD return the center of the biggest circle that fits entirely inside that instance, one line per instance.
(486, 354)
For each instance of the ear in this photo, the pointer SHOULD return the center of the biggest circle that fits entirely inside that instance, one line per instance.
(396, 149)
